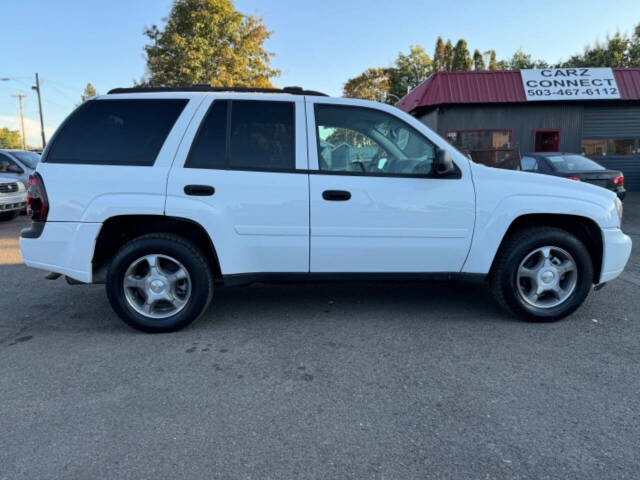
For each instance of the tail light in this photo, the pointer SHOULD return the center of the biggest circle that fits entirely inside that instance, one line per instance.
(619, 180)
(574, 178)
(37, 201)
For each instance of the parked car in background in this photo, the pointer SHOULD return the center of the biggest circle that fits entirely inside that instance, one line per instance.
(13, 198)
(18, 164)
(575, 167)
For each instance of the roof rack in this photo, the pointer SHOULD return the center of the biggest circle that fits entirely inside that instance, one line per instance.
(209, 88)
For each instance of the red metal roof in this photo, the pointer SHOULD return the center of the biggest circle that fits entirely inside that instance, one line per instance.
(501, 86)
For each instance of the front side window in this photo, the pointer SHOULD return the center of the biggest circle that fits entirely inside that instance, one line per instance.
(365, 140)
(262, 135)
(116, 132)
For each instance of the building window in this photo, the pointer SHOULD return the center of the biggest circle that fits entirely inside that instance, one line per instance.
(594, 147)
(620, 146)
(470, 140)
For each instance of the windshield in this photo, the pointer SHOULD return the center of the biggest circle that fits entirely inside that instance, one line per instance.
(573, 163)
(30, 159)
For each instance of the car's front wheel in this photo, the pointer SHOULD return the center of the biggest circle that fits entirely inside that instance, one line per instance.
(159, 283)
(542, 273)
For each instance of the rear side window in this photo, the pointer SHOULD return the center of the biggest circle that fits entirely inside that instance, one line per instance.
(209, 147)
(262, 135)
(116, 132)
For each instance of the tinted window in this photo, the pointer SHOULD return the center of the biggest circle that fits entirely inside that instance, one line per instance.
(529, 164)
(573, 163)
(30, 159)
(370, 141)
(209, 147)
(262, 135)
(116, 132)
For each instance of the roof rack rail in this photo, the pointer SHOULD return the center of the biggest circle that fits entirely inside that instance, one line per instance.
(208, 88)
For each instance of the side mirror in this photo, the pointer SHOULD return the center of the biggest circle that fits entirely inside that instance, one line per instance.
(443, 163)
(14, 169)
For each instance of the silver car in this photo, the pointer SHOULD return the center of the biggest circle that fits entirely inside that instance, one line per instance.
(18, 164)
(13, 197)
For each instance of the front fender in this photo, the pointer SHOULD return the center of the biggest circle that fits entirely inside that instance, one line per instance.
(493, 222)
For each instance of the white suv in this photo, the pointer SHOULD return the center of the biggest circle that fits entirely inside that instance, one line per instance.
(165, 194)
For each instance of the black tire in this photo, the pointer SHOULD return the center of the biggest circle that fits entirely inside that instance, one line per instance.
(6, 216)
(188, 254)
(503, 278)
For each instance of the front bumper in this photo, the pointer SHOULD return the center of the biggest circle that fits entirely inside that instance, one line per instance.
(617, 250)
(9, 203)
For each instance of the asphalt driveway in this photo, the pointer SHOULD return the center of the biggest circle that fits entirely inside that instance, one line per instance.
(371, 381)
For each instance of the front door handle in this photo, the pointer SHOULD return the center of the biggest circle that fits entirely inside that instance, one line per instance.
(336, 195)
(199, 190)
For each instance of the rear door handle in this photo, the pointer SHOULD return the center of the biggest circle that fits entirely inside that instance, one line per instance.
(199, 190)
(336, 195)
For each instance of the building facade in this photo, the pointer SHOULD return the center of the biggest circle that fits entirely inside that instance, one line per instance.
(492, 114)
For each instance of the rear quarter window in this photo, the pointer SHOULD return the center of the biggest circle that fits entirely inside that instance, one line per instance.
(115, 132)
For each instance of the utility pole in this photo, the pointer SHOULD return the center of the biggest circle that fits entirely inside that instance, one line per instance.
(37, 89)
(20, 96)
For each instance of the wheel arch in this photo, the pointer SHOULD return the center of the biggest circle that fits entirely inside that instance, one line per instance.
(584, 228)
(118, 230)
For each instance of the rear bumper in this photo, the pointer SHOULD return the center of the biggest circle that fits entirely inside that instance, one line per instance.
(63, 247)
(617, 250)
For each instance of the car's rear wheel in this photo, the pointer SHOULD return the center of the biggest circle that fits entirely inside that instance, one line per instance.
(542, 274)
(159, 283)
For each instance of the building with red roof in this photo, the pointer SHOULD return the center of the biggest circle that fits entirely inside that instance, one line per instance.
(493, 114)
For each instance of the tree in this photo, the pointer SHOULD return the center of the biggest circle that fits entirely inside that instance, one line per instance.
(521, 60)
(448, 55)
(208, 41)
(616, 51)
(478, 61)
(461, 58)
(409, 71)
(634, 48)
(372, 84)
(10, 138)
(491, 59)
(439, 54)
(89, 91)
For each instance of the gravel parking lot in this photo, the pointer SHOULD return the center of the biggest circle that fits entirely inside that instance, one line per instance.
(371, 381)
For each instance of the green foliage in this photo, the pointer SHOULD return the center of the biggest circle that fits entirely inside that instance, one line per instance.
(493, 63)
(409, 71)
(439, 55)
(372, 84)
(478, 61)
(521, 60)
(208, 41)
(89, 92)
(461, 60)
(617, 51)
(448, 55)
(10, 138)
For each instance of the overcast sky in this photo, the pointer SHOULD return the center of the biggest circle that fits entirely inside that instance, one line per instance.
(318, 45)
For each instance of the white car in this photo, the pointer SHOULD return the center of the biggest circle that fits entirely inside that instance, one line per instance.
(13, 197)
(165, 194)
